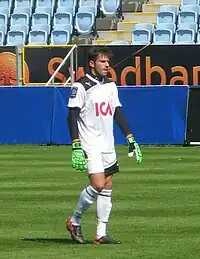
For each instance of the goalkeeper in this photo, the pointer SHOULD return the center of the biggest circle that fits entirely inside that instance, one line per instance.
(93, 105)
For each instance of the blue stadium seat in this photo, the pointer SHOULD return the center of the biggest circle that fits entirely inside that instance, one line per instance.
(167, 14)
(26, 10)
(20, 16)
(89, 3)
(109, 7)
(68, 3)
(186, 33)
(4, 16)
(6, 3)
(147, 26)
(3, 31)
(67, 9)
(3, 28)
(63, 15)
(68, 27)
(86, 9)
(24, 28)
(190, 2)
(192, 26)
(42, 15)
(171, 8)
(61, 34)
(16, 37)
(141, 36)
(168, 26)
(189, 14)
(85, 20)
(164, 33)
(60, 37)
(41, 27)
(38, 37)
(46, 3)
(23, 3)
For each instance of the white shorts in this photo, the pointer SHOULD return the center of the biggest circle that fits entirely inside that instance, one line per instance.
(99, 161)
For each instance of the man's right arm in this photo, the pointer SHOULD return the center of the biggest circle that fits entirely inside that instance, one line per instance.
(73, 114)
(76, 102)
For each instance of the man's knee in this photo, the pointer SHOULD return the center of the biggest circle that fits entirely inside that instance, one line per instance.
(97, 181)
(98, 187)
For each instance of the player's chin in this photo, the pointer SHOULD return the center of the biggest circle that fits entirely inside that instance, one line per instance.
(104, 73)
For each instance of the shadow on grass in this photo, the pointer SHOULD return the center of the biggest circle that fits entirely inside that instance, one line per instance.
(55, 240)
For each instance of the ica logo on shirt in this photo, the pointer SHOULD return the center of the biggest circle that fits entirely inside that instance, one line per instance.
(103, 108)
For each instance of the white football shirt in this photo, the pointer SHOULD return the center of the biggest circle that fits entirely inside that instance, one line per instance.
(97, 101)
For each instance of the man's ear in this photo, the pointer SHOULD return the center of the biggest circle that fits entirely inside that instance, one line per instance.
(91, 63)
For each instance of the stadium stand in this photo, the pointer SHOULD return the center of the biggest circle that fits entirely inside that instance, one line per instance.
(166, 17)
(99, 22)
(55, 21)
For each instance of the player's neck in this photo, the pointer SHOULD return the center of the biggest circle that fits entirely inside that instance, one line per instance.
(96, 77)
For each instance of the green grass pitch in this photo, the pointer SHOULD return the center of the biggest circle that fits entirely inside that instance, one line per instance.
(156, 205)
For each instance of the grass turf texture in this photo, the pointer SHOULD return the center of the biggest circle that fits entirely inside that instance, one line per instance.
(156, 205)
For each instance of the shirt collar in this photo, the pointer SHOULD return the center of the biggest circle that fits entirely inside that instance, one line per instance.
(100, 80)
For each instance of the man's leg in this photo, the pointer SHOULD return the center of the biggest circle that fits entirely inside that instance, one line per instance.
(104, 206)
(104, 199)
(86, 199)
(88, 196)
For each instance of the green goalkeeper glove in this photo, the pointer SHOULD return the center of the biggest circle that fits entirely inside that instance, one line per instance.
(134, 149)
(79, 161)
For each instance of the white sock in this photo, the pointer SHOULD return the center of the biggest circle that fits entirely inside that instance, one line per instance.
(87, 197)
(104, 206)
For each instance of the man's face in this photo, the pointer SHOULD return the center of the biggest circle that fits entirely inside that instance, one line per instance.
(100, 66)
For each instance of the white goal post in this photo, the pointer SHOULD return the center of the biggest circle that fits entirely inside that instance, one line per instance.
(71, 78)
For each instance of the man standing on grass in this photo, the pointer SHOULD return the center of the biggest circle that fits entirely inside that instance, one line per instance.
(93, 104)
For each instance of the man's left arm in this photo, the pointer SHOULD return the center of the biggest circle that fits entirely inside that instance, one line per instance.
(122, 123)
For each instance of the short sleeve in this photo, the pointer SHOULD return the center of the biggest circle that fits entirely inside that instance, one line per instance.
(77, 96)
(116, 102)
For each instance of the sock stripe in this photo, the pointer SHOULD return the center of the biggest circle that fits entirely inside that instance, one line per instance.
(107, 191)
(105, 195)
(92, 189)
(89, 194)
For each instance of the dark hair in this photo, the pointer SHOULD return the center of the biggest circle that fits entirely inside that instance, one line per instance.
(94, 52)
